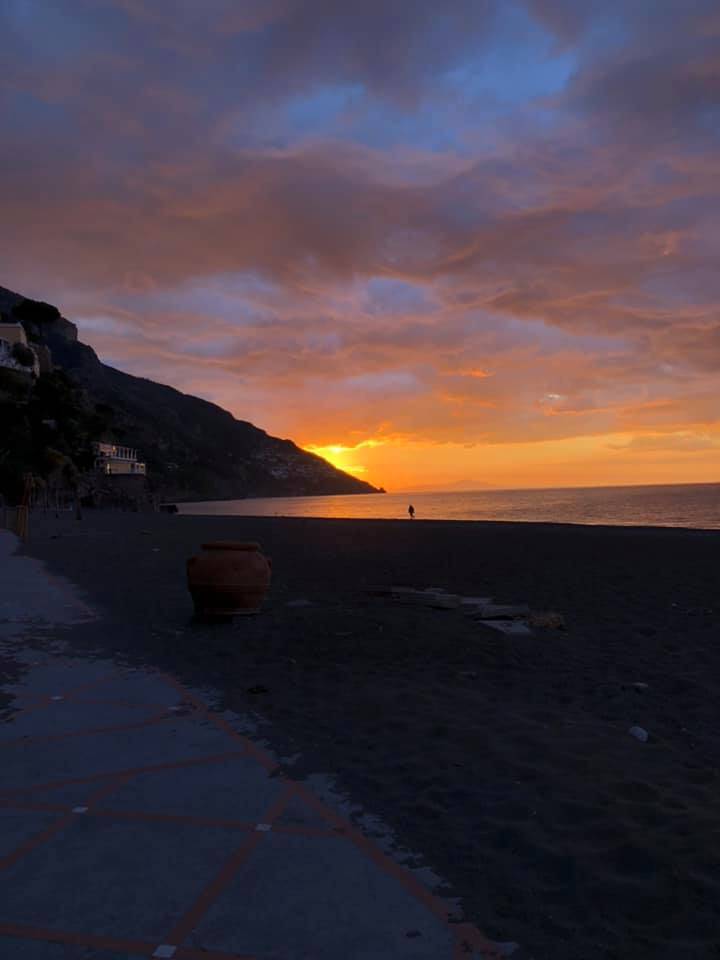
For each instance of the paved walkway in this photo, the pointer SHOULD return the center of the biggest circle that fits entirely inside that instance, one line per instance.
(136, 821)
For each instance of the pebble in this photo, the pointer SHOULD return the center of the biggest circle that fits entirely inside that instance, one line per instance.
(640, 733)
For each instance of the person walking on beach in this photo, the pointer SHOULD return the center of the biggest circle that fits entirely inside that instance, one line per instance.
(411, 511)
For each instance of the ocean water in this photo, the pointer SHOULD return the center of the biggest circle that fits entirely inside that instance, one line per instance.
(682, 505)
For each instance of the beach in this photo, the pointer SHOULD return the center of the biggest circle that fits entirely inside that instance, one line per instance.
(505, 760)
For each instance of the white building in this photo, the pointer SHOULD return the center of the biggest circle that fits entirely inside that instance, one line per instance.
(114, 459)
(10, 335)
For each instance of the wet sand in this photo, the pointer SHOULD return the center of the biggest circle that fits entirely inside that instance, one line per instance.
(505, 760)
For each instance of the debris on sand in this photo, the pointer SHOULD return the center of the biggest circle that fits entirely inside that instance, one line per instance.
(515, 619)
(515, 628)
(434, 597)
(548, 620)
(503, 611)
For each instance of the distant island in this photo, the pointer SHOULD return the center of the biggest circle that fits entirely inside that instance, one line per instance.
(58, 401)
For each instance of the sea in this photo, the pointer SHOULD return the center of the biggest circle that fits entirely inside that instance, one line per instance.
(694, 505)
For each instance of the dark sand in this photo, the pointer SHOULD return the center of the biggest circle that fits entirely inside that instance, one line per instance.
(505, 761)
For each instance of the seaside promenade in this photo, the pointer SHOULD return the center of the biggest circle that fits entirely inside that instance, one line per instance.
(136, 820)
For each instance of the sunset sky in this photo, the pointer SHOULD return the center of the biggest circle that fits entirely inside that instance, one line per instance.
(446, 244)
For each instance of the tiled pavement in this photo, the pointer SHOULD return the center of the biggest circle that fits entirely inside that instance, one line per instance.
(135, 821)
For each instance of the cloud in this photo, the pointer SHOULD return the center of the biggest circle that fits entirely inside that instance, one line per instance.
(684, 442)
(485, 221)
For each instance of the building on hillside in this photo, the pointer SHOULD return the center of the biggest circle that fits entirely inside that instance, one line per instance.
(113, 459)
(11, 331)
(15, 352)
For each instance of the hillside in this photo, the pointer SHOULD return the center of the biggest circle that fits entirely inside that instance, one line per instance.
(193, 448)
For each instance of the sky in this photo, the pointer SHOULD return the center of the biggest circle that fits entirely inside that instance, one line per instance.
(446, 245)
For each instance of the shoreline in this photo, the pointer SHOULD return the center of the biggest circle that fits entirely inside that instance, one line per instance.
(435, 520)
(690, 506)
(505, 761)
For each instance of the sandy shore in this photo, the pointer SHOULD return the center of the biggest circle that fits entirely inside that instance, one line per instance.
(506, 761)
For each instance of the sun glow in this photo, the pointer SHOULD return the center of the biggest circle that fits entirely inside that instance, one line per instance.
(338, 454)
(400, 463)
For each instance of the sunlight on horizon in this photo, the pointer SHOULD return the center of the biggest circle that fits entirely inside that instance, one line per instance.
(616, 459)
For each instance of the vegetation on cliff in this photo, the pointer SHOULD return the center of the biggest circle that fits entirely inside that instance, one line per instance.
(48, 426)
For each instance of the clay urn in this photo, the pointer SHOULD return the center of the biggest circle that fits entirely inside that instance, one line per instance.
(229, 578)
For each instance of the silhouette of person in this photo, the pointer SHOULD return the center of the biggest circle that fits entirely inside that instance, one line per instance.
(411, 511)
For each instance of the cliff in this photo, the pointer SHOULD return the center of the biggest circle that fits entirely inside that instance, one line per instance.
(193, 449)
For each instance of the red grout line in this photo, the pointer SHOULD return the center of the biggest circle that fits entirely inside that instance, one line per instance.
(142, 815)
(141, 948)
(470, 942)
(8, 804)
(49, 832)
(217, 886)
(140, 704)
(401, 874)
(212, 891)
(263, 758)
(470, 934)
(90, 614)
(35, 841)
(209, 822)
(114, 774)
(46, 700)
(23, 932)
(185, 694)
(107, 789)
(89, 684)
(133, 724)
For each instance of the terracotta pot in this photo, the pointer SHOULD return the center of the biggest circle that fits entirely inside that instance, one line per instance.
(228, 578)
